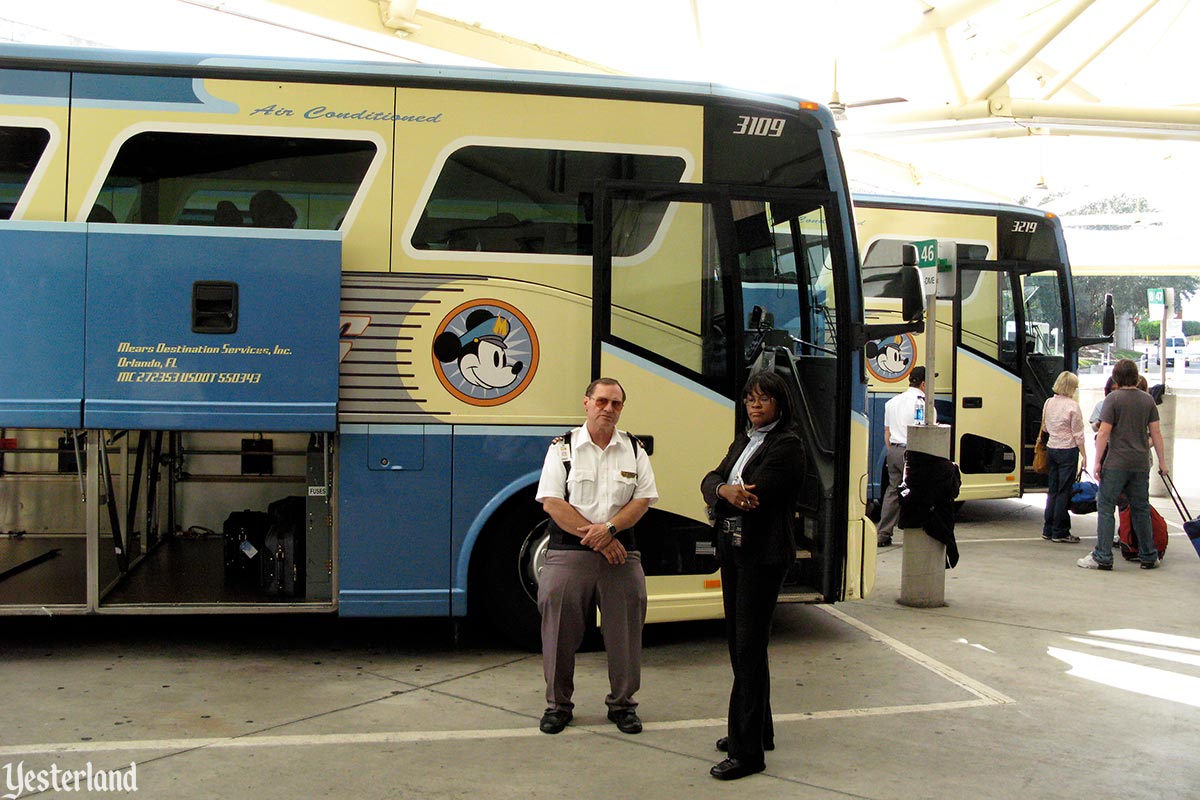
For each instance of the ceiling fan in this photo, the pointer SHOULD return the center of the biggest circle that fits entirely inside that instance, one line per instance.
(839, 108)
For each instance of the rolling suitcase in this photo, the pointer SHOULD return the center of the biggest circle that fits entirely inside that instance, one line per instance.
(282, 571)
(1190, 526)
(244, 533)
(1128, 539)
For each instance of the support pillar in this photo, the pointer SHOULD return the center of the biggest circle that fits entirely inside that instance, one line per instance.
(923, 571)
(1166, 424)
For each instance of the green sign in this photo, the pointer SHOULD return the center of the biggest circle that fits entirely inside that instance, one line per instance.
(927, 259)
(927, 253)
(1156, 297)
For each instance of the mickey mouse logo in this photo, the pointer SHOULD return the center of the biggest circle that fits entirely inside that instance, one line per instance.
(891, 359)
(485, 352)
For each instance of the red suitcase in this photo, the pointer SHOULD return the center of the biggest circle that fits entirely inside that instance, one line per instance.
(1129, 545)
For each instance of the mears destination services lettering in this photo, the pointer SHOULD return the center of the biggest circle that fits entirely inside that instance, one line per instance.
(230, 349)
(324, 112)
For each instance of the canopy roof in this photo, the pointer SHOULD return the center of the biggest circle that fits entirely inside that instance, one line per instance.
(1082, 107)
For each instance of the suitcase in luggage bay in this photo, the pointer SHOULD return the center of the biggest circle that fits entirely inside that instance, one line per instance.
(244, 533)
(283, 560)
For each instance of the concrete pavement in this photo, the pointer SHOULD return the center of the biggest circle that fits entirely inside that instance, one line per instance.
(1037, 680)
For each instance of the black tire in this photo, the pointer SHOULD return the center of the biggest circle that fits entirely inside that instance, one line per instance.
(506, 565)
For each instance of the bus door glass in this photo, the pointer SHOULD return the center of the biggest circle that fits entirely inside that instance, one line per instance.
(1043, 355)
(987, 381)
(736, 279)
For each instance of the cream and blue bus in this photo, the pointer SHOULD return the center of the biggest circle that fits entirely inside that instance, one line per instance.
(1006, 327)
(295, 335)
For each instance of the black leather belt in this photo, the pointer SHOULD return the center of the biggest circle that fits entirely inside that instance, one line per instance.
(561, 540)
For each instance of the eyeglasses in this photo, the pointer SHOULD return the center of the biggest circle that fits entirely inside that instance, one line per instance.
(604, 402)
(758, 399)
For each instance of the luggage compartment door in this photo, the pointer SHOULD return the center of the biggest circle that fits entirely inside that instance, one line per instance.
(189, 330)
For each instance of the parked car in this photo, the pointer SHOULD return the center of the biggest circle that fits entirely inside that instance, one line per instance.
(1191, 353)
(1175, 346)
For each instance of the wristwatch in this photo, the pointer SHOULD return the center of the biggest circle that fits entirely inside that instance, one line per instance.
(612, 529)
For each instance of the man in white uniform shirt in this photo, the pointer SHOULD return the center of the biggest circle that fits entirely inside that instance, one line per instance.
(596, 484)
(898, 414)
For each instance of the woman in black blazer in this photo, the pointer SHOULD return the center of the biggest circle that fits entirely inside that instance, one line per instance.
(753, 500)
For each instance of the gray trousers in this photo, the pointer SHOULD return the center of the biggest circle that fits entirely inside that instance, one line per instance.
(571, 584)
(889, 514)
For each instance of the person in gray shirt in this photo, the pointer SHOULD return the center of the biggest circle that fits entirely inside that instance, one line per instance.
(1123, 466)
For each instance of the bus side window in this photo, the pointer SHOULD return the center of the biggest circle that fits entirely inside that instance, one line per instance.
(20, 151)
(172, 178)
(527, 200)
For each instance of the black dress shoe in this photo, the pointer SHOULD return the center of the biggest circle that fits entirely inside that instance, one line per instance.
(627, 720)
(723, 745)
(731, 769)
(554, 721)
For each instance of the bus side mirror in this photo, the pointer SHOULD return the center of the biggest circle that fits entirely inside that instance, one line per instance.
(912, 299)
(1110, 316)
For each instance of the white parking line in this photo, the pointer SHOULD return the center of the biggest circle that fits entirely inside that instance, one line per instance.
(980, 690)
(985, 696)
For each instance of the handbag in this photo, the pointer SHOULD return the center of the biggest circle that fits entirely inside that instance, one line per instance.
(1041, 457)
(1083, 495)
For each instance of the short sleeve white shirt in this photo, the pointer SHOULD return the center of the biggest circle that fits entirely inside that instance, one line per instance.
(602, 481)
(901, 411)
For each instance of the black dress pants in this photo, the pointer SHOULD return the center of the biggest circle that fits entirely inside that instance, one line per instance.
(750, 593)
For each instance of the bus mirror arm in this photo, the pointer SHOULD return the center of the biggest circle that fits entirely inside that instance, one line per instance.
(1108, 327)
(1083, 341)
(869, 333)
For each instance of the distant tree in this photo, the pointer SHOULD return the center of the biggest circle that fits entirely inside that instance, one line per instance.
(1129, 294)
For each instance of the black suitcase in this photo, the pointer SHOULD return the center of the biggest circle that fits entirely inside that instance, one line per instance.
(282, 569)
(245, 534)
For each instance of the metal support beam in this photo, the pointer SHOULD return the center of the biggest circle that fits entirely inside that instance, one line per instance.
(1070, 74)
(1045, 39)
(1003, 116)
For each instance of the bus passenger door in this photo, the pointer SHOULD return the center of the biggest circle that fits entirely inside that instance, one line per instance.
(987, 382)
(736, 277)
(1043, 356)
(660, 328)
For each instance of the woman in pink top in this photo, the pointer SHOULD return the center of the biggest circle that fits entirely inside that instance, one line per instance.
(1062, 420)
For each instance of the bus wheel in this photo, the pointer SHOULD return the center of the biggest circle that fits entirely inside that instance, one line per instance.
(508, 576)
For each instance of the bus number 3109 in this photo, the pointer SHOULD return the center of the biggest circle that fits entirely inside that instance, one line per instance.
(759, 126)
